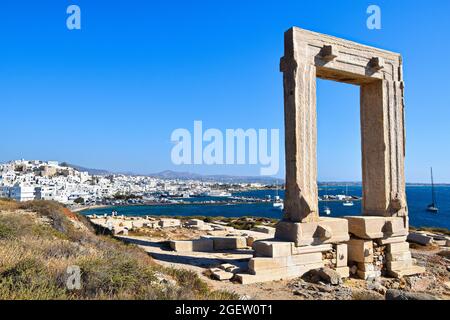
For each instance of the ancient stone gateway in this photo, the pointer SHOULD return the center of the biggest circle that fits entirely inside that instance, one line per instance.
(379, 73)
(376, 241)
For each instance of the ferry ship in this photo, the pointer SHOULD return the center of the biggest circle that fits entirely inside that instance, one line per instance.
(218, 193)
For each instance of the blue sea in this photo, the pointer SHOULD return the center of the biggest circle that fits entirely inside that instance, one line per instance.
(418, 199)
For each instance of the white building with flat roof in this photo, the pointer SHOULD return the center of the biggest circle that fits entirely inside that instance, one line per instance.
(45, 192)
(22, 193)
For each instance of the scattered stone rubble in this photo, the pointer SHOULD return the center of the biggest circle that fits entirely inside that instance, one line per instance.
(378, 247)
(320, 265)
(225, 271)
(275, 259)
(429, 286)
(218, 237)
(313, 289)
(425, 238)
(121, 225)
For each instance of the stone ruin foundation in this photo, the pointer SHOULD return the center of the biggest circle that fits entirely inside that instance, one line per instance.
(370, 245)
(378, 247)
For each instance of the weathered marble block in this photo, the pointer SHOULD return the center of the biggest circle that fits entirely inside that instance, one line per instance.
(360, 250)
(420, 238)
(228, 243)
(310, 249)
(400, 256)
(264, 263)
(390, 240)
(398, 247)
(341, 255)
(326, 230)
(400, 265)
(277, 274)
(344, 272)
(167, 223)
(201, 245)
(272, 248)
(366, 227)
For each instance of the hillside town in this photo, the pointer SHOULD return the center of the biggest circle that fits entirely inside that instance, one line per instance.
(25, 180)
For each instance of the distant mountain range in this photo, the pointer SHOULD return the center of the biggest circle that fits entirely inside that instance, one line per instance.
(168, 174)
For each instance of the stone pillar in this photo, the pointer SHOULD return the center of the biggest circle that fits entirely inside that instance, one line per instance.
(383, 149)
(299, 77)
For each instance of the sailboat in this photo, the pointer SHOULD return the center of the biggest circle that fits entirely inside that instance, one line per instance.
(278, 203)
(326, 209)
(433, 206)
(347, 202)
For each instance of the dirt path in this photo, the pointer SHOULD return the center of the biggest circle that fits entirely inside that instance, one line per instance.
(200, 261)
(435, 281)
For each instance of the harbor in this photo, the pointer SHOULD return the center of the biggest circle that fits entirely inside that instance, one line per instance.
(418, 198)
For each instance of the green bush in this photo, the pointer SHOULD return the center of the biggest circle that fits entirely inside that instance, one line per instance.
(6, 232)
(13, 226)
(29, 279)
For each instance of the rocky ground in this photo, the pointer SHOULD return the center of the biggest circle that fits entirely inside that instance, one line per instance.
(434, 284)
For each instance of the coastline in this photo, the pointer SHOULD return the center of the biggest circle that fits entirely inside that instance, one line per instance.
(81, 209)
(417, 200)
(204, 217)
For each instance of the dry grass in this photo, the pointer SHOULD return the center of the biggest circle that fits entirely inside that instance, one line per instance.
(39, 240)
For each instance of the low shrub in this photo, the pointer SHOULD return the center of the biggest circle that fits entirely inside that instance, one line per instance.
(38, 245)
(13, 226)
(29, 279)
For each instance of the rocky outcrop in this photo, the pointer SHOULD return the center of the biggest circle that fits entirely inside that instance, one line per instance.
(393, 294)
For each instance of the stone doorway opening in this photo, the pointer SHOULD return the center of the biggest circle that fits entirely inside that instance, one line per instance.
(338, 147)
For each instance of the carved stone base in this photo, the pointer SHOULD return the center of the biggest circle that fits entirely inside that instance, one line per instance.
(378, 246)
(326, 230)
(277, 260)
(367, 227)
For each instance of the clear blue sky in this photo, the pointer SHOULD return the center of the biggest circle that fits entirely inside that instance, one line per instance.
(109, 95)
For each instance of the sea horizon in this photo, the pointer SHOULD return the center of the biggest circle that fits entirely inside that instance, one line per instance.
(418, 197)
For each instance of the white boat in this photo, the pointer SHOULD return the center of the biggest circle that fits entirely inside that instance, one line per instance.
(218, 193)
(433, 208)
(326, 209)
(278, 205)
(347, 202)
(278, 202)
